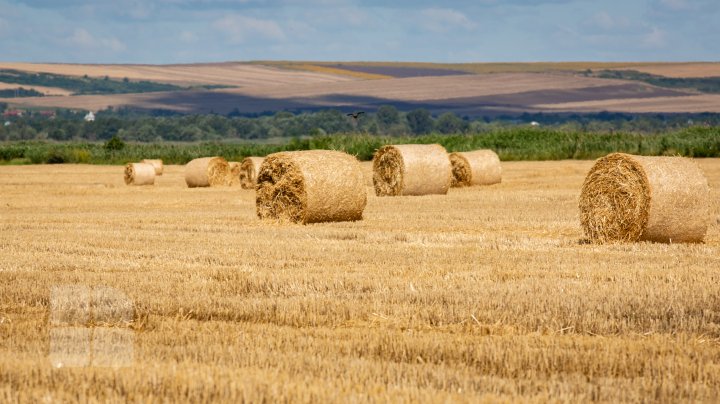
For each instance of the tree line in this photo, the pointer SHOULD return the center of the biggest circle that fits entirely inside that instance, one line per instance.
(158, 126)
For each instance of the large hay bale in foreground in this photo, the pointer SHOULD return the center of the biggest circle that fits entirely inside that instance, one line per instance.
(157, 163)
(411, 169)
(207, 172)
(248, 171)
(479, 167)
(233, 173)
(310, 187)
(139, 174)
(635, 198)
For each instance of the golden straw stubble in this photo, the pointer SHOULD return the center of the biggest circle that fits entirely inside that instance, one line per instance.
(411, 169)
(249, 168)
(139, 174)
(207, 172)
(479, 167)
(628, 198)
(310, 187)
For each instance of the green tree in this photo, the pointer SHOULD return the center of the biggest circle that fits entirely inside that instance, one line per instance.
(114, 144)
(387, 116)
(420, 121)
(449, 123)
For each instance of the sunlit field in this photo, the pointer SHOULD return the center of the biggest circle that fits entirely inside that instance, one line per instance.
(488, 293)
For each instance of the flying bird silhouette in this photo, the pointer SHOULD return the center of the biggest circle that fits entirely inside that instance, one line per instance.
(355, 115)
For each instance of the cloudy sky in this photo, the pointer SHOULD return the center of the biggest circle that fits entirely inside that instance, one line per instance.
(179, 31)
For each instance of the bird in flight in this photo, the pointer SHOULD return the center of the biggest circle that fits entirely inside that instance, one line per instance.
(355, 115)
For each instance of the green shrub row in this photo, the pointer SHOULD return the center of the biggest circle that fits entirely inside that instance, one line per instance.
(510, 144)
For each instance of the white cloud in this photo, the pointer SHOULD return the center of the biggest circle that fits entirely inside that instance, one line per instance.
(444, 19)
(85, 40)
(239, 28)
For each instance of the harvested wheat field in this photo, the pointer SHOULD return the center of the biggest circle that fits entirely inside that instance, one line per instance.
(483, 294)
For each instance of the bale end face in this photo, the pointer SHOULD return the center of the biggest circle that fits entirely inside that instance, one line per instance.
(249, 170)
(461, 170)
(281, 191)
(615, 200)
(388, 170)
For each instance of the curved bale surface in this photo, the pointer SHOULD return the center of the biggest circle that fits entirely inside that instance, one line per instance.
(233, 173)
(637, 198)
(139, 174)
(310, 187)
(479, 167)
(249, 169)
(207, 172)
(156, 163)
(411, 169)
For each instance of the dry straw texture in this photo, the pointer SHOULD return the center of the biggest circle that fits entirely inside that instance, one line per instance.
(411, 170)
(248, 171)
(139, 174)
(636, 198)
(480, 167)
(234, 173)
(156, 163)
(310, 186)
(207, 172)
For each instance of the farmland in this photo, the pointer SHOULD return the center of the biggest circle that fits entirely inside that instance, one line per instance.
(473, 89)
(484, 294)
(464, 94)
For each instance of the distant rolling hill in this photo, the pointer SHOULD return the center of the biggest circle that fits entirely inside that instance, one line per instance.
(467, 89)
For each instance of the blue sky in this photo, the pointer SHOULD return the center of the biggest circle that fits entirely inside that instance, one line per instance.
(180, 31)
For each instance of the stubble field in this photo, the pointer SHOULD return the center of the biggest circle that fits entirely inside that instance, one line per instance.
(484, 294)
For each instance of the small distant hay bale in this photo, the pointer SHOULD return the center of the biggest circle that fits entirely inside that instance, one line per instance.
(249, 169)
(207, 172)
(411, 169)
(635, 198)
(480, 167)
(157, 163)
(234, 173)
(139, 174)
(310, 187)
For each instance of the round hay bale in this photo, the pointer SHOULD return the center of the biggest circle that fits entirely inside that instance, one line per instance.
(233, 173)
(248, 171)
(207, 172)
(139, 174)
(636, 198)
(411, 169)
(310, 187)
(157, 163)
(480, 167)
